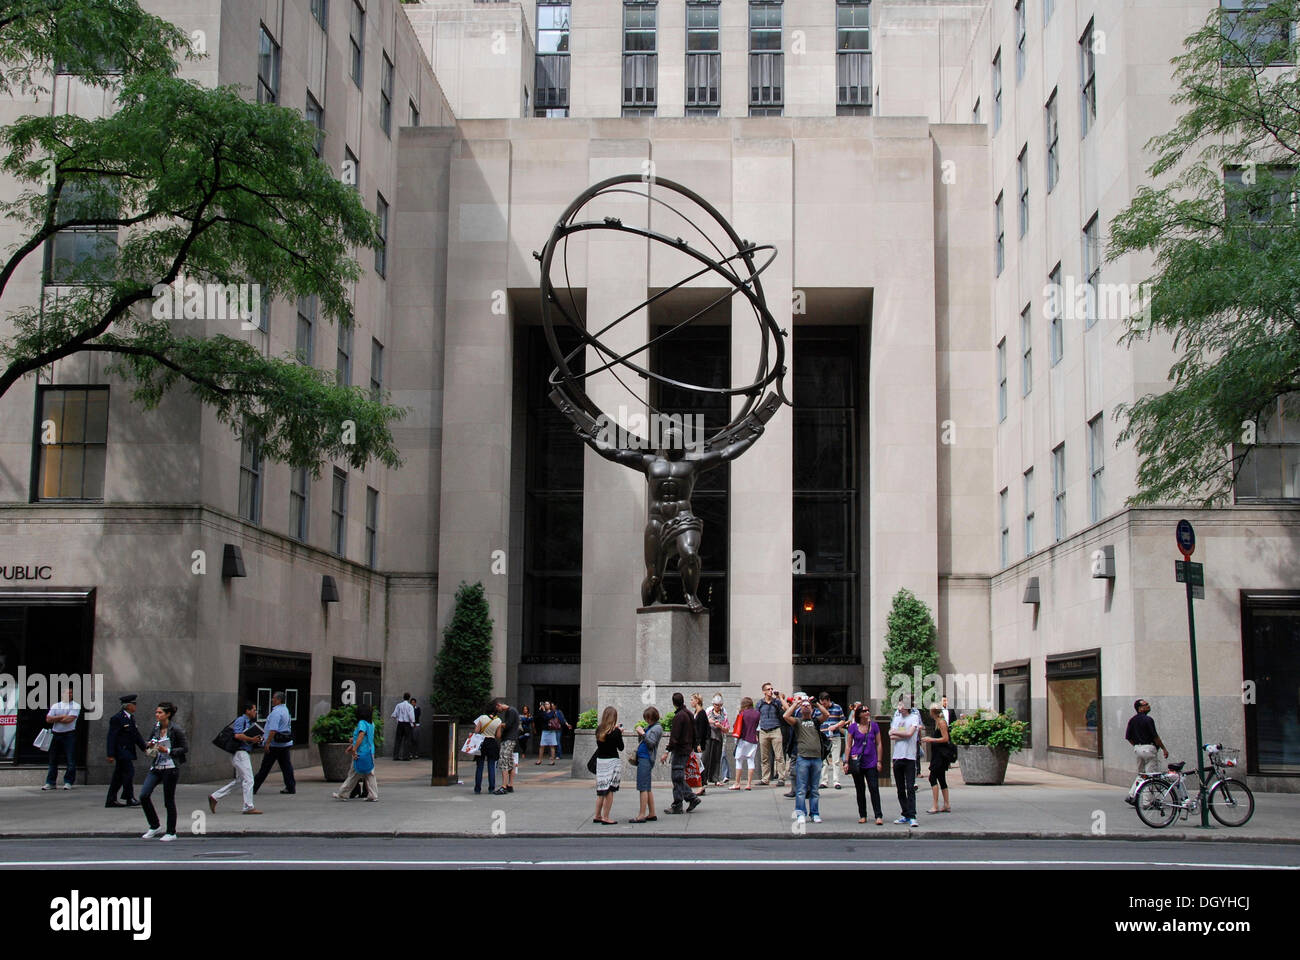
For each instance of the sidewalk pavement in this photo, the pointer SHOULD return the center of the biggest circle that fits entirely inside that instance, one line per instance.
(1032, 804)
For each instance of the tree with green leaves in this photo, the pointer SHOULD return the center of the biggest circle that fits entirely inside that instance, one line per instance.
(462, 679)
(1221, 224)
(180, 185)
(909, 643)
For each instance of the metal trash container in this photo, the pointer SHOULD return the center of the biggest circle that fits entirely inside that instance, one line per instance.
(443, 751)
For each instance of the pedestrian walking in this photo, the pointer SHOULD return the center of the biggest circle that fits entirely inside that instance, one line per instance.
(62, 717)
(525, 731)
(123, 739)
(509, 737)
(489, 751)
(747, 734)
(941, 753)
(904, 735)
(771, 732)
(404, 714)
(701, 726)
(808, 767)
(247, 736)
(1141, 733)
(864, 761)
(168, 748)
(645, 764)
(362, 750)
(550, 726)
(681, 745)
(832, 729)
(278, 744)
(713, 749)
(609, 765)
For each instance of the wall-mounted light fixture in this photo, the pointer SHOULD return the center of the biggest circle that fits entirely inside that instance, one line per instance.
(329, 590)
(232, 562)
(1031, 591)
(1103, 563)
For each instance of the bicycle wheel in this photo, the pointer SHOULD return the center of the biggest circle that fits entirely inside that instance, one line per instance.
(1231, 802)
(1155, 803)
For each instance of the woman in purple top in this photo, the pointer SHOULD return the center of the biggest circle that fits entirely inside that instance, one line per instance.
(864, 760)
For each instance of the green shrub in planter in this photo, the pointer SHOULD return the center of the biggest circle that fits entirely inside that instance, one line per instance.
(340, 726)
(588, 720)
(984, 728)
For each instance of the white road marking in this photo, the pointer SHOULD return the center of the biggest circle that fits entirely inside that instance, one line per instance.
(642, 861)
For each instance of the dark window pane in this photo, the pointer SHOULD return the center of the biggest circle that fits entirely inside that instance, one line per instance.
(824, 449)
(824, 530)
(823, 617)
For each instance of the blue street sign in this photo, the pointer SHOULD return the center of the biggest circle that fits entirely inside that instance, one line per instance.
(1186, 538)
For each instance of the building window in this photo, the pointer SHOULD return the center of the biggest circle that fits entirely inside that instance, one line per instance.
(305, 341)
(357, 43)
(552, 69)
(766, 61)
(553, 482)
(339, 513)
(343, 357)
(1055, 305)
(1096, 467)
(268, 68)
(376, 369)
(703, 61)
(1004, 528)
(1058, 492)
(1020, 40)
(1026, 351)
(1029, 511)
(975, 112)
(1269, 469)
(1091, 268)
(853, 58)
(1002, 379)
(250, 478)
(1022, 183)
(1053, 143)
(351, 169)
(640, 62)
(71, 443)
(1270, 639)
(1259, 39)
(1000, 236)
(413, 115)
(997, 91)
(1049, 7)
(1012, 680)
(827, 501)
(1087, 81)
(320, 9)
(264, 309)
(1268, 199)
(315, 114)
(1074, 703)
(87, 253)
(372, 527)
(386, 96)
(299, 496)
(381, 251)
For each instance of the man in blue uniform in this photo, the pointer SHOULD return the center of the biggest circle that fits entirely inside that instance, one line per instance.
(123, 739)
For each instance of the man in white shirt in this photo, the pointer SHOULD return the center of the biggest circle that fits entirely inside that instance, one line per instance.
(404, 714)
(63, 715)
(904, 734)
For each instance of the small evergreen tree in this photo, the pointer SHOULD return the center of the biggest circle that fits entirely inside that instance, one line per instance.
(462, 678)
(909, 643)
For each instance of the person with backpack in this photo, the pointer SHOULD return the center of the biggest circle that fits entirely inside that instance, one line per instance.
(362, 749)
(489, 751)
(942, 754)
(245, 735)
(168, 748)
(810, 751)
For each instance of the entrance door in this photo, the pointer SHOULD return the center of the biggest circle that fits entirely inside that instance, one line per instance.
(1271, 654)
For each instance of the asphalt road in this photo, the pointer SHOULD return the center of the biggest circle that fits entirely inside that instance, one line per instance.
(327, 853)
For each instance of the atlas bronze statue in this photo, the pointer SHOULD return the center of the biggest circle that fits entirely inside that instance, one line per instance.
(674, 463)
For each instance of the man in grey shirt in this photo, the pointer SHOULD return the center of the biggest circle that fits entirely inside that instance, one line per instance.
(509, 735)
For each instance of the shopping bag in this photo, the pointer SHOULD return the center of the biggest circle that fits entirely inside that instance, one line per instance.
(472, 744)
(43, 739)
(694, 772)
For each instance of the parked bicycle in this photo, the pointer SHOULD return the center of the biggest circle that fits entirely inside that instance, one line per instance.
(1164, 796)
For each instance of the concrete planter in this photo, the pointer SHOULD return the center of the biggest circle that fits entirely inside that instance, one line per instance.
(584, 745)
(335, 761)
(981, 765)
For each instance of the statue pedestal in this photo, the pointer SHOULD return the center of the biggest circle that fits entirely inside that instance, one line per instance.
(671, 644)
(672, 655)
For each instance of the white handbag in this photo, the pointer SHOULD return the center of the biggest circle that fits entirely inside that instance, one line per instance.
(43, 739)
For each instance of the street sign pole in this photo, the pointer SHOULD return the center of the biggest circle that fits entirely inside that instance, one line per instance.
(1187, 544)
